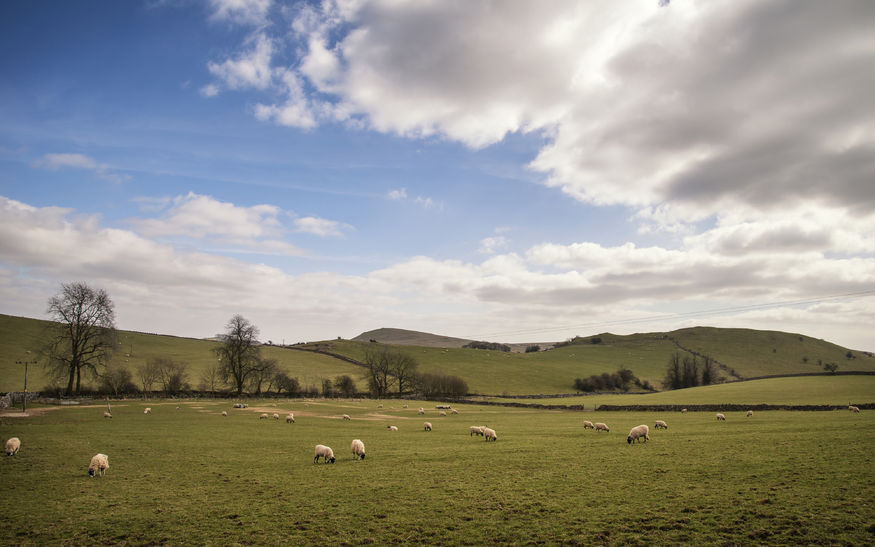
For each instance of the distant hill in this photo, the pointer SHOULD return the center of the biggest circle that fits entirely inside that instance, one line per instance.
(402, 337)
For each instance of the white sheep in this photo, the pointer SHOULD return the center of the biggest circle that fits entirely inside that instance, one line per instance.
(290, 418)
(12, 446)
(749, 413)
(489, 434)
(421, 410)
(660, 425)
(358, 449)
(380, 405)
(263, 416)
(721, 417)
(427, 426)
(405, 406)
(683, 410)
(224, 413)
(276, 416)
(476, 430)
(602, 427)
(346, 417)
(453, 411)
(853, 408)
(148, 410)
(637, 433)
(442, 413)
(324, 452)
(588, 425)
(99, 464)
(106, 414)
(392, 428)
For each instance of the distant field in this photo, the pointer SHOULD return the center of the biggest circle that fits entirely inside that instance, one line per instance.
(192, 476)
(804, 390)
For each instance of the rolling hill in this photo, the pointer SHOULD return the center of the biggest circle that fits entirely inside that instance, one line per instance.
(742, 353)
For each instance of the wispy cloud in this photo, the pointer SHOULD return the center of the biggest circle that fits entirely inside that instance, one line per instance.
(55, 162)
(321, 227)
(399, 194)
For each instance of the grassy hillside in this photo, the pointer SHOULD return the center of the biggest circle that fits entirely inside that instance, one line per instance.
(647, 355)
(19, 335)
(801, 390)
(748, 353)
(402, 337)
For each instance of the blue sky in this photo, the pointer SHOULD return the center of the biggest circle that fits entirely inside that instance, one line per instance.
(485, 170)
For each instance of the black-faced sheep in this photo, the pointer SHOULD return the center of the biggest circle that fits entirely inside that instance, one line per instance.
(346, 417)
(290, 418)
(325, 453)
(148, 410)
(12, 446)
(588, 425)
(490, 434)
(358, 449)
(476, 430)
(638, 433)
(107, 415)
(224, 413)
(660, 425)
(853, 408)
(749, 413)
(99, 464)
(276, 416)
(392, 428)
(602, 427)
(263, 416)
(427, 426)
(721, 417)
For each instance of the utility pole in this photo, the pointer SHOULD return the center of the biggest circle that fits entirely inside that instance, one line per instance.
(25, 363)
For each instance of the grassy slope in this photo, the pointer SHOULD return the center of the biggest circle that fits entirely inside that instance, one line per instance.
(489, 372)
(804, 390)
(192, 476)
(17, 335)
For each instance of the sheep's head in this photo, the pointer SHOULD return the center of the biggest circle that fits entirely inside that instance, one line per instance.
(90, 471)
(363, 456)
(331, 459)
(629, 439)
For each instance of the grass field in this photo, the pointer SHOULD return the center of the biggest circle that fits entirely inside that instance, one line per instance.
(191, 476)
(801, 390)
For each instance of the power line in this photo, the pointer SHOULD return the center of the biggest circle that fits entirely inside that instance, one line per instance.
(714, 311)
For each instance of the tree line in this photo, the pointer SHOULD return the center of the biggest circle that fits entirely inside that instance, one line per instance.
(622, 380)
(84, 340)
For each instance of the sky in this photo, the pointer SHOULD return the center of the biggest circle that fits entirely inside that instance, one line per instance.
(509, 171)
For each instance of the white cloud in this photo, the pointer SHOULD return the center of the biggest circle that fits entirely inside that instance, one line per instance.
(557, 290)
(209, 90)
(493, 244)
(320, 226)
(399, 194)
(243, 12)
(55, 162)
(250, 69)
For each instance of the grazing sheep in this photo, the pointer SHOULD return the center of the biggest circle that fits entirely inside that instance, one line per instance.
(602, 427)
(427, 426)
(853, 408)
(107, 415)
(276, 416)
(660, 425)
(324, 452)
(290, 418)
(392, 428)
(148, 410)
(380, 406)
(346, 417)
(476, 430)
(683, 410)
(749, 413)
(405, 406)
(453, 411)
(588, 425)
(12, 446)
(442, 413)
(358, 449)
(99, 464)
(489, 434)
(421, 410)
(263, 417)
(637, 433)
(224, 413)
(721, 417)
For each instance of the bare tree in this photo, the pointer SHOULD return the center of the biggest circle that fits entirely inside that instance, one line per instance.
(116, 379)
(379, 371)
(173, 375)
(85, 335)
(403, 367)
(239, 352)
(211, 378)
(148, 374)
(263, 371)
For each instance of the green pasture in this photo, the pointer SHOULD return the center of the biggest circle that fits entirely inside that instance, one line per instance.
(191, 476)
(799, 390)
